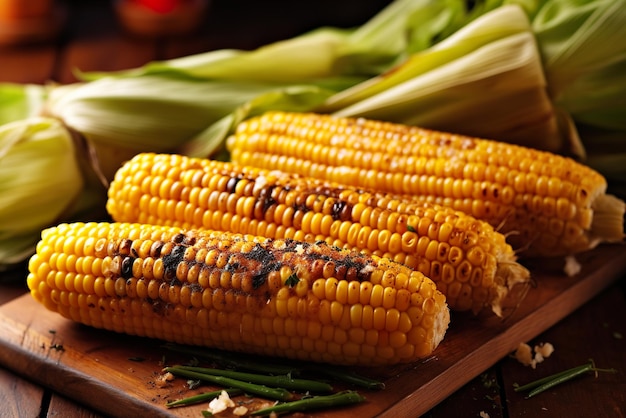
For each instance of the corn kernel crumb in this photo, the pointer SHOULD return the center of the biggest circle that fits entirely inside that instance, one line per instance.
(221, 403)
(240, 411)
(162, 380)
(544, 349)
(572, 266)
(523, 354)
(532, 356)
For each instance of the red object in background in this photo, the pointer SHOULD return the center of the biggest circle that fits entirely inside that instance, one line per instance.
(161, 6)
(161, 17)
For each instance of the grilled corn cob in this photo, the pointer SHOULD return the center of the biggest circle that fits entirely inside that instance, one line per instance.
(470, 262)
(283, 298)
(548, 205)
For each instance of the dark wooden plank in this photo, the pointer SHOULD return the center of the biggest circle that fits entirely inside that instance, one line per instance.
(19, 397)
(481, 394)
(93, 362)
(61, 406)
(595, 331)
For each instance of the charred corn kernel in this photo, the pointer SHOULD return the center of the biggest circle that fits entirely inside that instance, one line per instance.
(516, 189)
(422, 236)
(248, 314)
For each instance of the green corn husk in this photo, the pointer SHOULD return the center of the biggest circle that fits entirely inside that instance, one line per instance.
(19, 101)
(150, 112)
(485, 80)
(121, 116)
(583, 44)
(40, 182)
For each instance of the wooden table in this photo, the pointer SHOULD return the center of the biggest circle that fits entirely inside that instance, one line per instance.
(93, 40)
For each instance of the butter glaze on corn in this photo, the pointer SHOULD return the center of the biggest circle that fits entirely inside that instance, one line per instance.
(470, 262)
(548, 205)
(283, 298)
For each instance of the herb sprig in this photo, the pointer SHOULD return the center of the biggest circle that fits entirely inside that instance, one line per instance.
(541, 385)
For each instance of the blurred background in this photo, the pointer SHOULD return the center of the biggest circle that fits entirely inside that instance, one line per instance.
(92, 33)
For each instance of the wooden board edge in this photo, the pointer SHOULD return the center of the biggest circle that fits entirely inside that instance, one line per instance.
(497, 348)
(75, 385)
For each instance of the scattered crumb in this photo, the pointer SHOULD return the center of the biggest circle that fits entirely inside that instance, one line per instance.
(618, 335)
(483, 414)
(488, 382)
(221, 403)
(531, 357)
(572, 266)
(544, 349)
(240, 411)
(162, 380)
(523, 354)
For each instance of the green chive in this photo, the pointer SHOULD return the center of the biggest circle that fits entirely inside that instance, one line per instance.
(264, 391)
(292, 280)
(281, 381)
(233, 360)
(203, 397)
(347, 397)
(351, 378)
(544, 380)
(545, 383)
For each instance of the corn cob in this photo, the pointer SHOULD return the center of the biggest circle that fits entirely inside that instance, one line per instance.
(547, 205)
(470, 262)
(284, 298)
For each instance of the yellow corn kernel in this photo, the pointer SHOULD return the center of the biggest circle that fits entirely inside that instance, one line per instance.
(252, 294)
(422, 236)
(509, 186)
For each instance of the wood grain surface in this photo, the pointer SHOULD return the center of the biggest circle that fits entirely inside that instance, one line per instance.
(98, 368)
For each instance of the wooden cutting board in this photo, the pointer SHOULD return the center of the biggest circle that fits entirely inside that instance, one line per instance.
(100, 369)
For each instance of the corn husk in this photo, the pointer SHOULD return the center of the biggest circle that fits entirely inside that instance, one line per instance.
(40, 182)
(485, 80)
(583, 44)
(20, 101)
(121, 116)
(151, 112)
